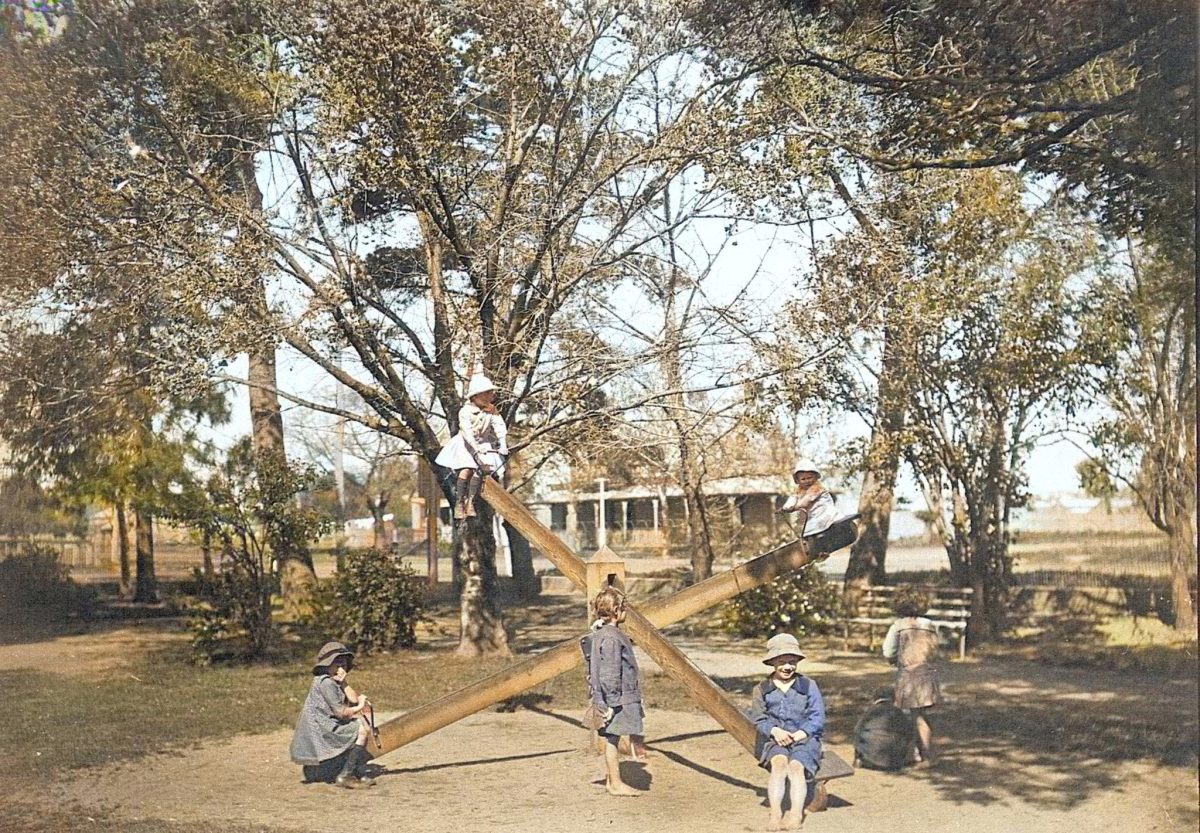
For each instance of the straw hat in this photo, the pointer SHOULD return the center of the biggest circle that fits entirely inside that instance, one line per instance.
(805, 464)
(479, 384)
(328, 653)
(782, 645)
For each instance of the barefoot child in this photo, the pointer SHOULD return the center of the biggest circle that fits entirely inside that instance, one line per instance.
(334, 719)
(812, 498)
(789, 714)
(479, 447)
(912, 643)
(616, 684)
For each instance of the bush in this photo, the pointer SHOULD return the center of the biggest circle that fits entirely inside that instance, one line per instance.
(231, 605)
(373, 603)
(248, 509)
(801, 603)
(35, 579)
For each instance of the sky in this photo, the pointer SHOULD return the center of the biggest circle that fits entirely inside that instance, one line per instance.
(765, 262)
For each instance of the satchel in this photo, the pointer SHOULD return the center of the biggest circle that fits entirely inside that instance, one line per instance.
(593, 717)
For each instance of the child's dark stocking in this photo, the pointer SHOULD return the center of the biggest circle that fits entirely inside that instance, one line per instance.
(473, 487)
(461, 487)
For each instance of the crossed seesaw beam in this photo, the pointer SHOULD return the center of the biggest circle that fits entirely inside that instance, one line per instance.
(642, 627)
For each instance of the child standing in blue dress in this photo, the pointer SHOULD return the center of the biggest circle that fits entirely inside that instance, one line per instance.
(789, 713)
(616, 684)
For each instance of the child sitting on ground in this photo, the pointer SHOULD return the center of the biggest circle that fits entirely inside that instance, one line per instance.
(789, 713)
(479, 447)
(616, 685)
(811, 498)
(333, 722)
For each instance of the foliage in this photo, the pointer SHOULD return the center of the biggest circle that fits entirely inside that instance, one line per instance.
(249, 508)
(35, 579)
(802, 603)
(373, 603)
(1143, 318)
(1096, 482)
(29, 509)
(1091, 92)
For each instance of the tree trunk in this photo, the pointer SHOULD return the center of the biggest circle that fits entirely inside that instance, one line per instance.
(699, 531)
(206, 551)
(1182, 544)
(122, 524)
(868, 554)
(147, 585)
(379, 504)
(481, 621)
(297, 578)
(525, 580)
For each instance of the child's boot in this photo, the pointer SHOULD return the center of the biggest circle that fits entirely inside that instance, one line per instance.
(348, 777)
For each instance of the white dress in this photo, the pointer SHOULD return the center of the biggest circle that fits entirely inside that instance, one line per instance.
(821, 514)
(481, 441)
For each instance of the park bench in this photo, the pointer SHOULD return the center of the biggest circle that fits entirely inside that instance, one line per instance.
(949, 609)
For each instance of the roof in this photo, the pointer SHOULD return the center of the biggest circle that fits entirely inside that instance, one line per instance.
(723, 486)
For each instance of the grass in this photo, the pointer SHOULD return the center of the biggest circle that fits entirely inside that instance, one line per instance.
(164, 703)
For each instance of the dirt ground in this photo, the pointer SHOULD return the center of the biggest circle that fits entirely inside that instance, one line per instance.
(1027, 747)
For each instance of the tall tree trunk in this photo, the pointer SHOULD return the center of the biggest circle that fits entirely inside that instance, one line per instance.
(206, 551)
(868, 555)
(379, 505)
(480, 618)
(147, 585)
(297, 578)
(122, 524)
(1182, 546)
(525, 580)
(690, 480)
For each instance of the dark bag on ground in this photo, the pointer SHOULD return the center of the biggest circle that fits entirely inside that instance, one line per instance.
(883, 737)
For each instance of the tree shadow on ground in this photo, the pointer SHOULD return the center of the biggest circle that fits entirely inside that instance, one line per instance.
(1014, 733)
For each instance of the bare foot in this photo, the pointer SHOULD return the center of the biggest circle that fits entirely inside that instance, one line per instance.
(776, 822)
(621, 789)
(792, 820)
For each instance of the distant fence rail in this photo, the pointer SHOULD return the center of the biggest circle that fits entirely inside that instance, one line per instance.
(74, 552)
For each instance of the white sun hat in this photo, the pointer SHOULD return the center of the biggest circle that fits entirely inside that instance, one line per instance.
(805, 464)
(479, 384)
(782, 645)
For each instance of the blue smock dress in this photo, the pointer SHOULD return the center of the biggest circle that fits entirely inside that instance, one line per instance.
(799, 708)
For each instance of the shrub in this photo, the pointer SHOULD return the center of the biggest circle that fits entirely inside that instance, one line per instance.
(231, 605)
(248, 508)
(374, 602)
(801, 603)
(35, 579)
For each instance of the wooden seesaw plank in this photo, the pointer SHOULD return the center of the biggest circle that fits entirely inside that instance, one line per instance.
(642, 627)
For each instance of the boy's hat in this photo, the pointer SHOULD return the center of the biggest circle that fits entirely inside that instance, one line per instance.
(328, 653)
(479, 384)
(782, 645)
(805, 464)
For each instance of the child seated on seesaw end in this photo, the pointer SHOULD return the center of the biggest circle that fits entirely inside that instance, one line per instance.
(334, 719)
(616, 685)
(811, 497)
(789, 713)
(479, 447)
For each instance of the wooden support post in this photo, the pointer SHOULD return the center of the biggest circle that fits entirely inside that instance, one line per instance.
(433, 500)
(604, 569)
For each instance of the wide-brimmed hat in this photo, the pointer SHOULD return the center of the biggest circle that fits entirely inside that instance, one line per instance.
(782, 645)
(479, 384)
(805, 464)
(328, 653)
